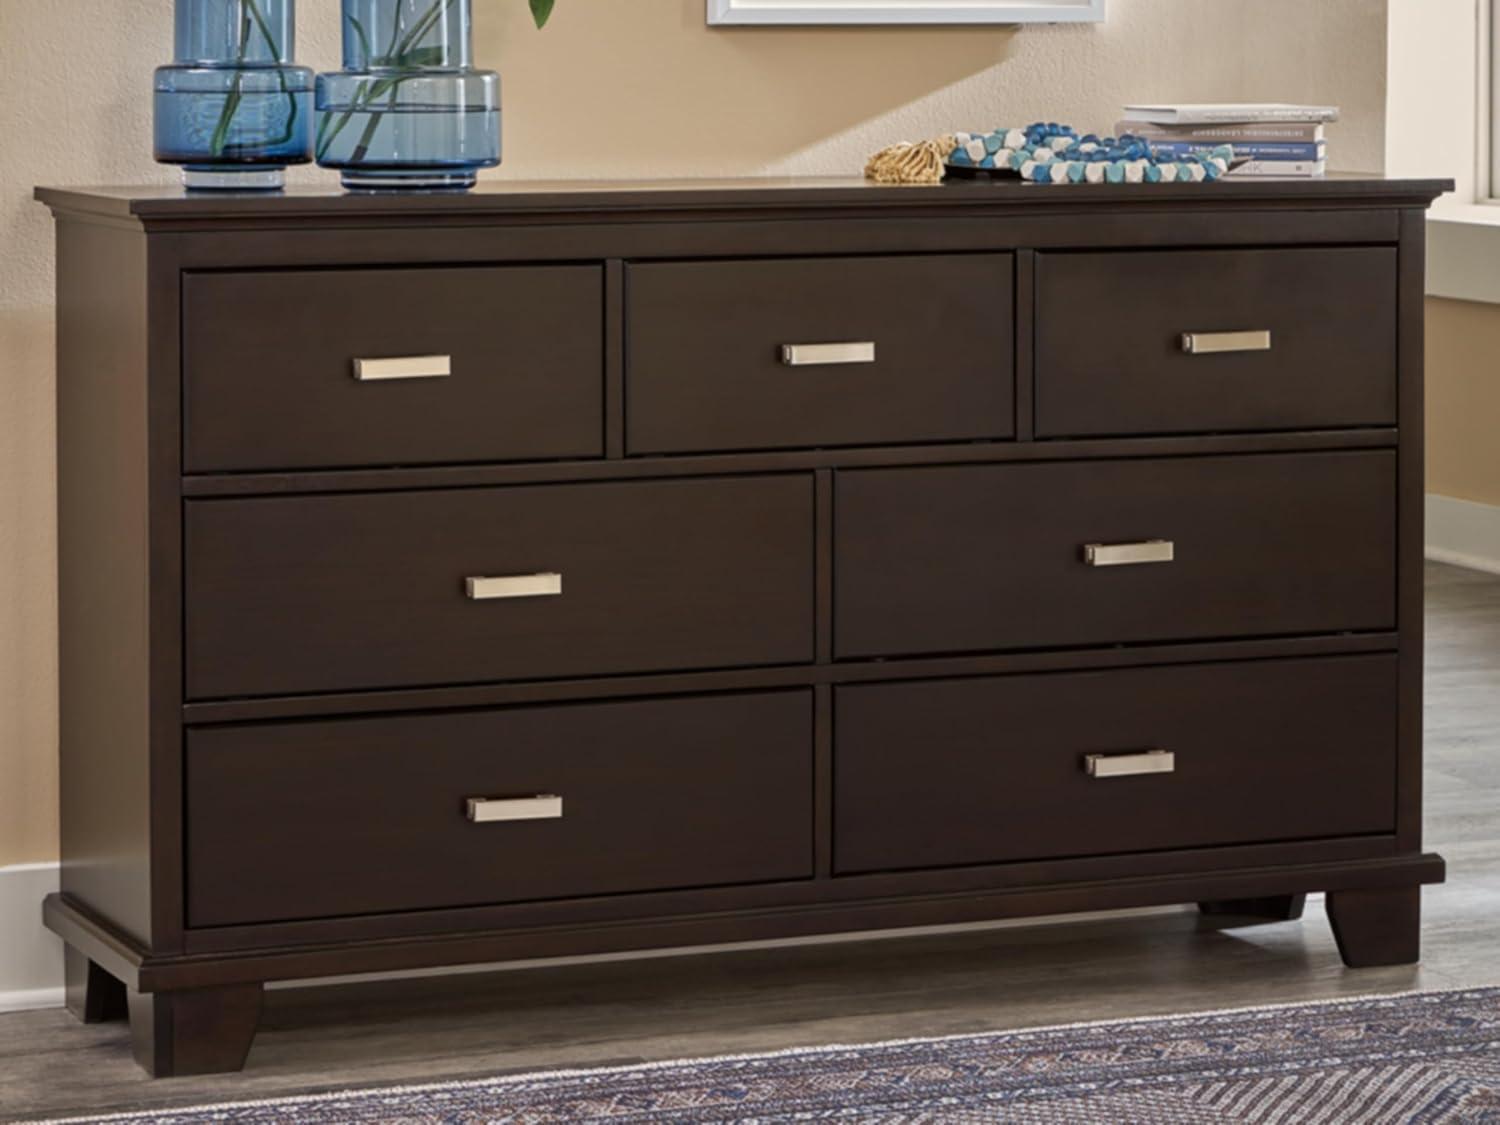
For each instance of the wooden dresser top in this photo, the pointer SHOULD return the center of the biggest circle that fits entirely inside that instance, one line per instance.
(770, 196)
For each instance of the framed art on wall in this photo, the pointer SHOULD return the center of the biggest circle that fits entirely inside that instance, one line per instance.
(785, 12)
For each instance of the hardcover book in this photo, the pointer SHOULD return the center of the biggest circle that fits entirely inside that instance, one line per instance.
(1231, 112)
(1290, 132)
(1306, 169)
(1255, 150)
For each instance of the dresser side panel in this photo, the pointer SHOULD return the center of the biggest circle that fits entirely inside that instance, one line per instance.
(104, 572)
(1410, 566)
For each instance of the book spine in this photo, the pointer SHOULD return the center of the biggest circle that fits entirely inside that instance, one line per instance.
(1307, 169)
(1255, 150)
(1291, 132)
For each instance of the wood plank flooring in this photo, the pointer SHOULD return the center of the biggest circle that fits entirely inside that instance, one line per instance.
(567, 1015)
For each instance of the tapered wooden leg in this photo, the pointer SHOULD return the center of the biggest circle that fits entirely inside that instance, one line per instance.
(1275, 908)
(91, 994)
(196, 1031)
(1379, 927)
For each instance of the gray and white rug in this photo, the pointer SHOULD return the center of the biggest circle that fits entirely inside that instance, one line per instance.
(1422, 1057)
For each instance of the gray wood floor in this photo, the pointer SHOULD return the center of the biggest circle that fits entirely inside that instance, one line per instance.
(1146, 963)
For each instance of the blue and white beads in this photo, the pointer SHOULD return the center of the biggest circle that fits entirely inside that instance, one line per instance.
(1055, 154)
(1010, 148)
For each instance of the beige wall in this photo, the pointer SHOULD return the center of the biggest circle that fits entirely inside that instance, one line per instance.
(613, 88)
(1463, 400)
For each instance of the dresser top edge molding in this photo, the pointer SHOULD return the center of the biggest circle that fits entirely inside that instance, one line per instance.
(693, 198)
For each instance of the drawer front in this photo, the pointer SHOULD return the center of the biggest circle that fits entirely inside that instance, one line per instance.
(279, 372)
(994, 770)
(326, 593)
(372, 815)
(707, 368)
(983, 557)
(1110, 355)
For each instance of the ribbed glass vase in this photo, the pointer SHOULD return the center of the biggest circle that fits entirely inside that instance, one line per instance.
(231, 108)
(408, 111)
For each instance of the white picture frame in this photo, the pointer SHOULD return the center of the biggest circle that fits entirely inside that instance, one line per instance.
(774, 13)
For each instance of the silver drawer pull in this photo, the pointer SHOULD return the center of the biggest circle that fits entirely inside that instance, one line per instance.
(811, 355)
(404, 367)
(1130, 765)
(485, 810)
(1202, 343)
(513, 586)
(1129, 554)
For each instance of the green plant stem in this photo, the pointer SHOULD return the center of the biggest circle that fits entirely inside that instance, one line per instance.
(253, 7)
(220, 139)
(362, 148)
(398, 57)
(219, 144)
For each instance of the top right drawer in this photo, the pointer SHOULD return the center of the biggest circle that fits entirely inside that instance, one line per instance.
(1201, 341)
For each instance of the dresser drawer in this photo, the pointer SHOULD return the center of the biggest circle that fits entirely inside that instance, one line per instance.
(978, 557)
(943, 773)
(481, 364)
(707, 367)
(372, 815)
(326, 593)
(1110, 347)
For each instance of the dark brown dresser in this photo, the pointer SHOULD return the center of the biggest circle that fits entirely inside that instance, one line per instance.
(569, 568)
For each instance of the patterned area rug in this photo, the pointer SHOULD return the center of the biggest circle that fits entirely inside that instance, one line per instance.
(1422, 1057)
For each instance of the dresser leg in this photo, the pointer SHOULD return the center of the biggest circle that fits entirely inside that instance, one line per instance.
(91, 994)
(195, 1031)
(1274, 908)
(1379, 927)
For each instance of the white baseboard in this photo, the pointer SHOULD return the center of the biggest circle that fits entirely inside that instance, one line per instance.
(31, 958)
(1463, 533)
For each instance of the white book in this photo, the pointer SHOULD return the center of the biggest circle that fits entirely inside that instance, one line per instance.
(1229, 112)
(1305, 169)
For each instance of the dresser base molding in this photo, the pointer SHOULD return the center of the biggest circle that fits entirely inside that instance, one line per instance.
(1374, 905)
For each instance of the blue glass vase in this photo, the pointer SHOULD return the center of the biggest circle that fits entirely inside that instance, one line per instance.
(231, 109)
(408, 111)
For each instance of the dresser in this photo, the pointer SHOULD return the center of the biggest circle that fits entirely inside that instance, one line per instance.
(564, 569)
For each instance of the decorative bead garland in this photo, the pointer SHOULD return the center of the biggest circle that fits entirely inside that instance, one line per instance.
(1049, 153)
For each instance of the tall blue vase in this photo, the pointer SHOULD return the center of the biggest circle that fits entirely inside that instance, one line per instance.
(231, 109)
(408, 111)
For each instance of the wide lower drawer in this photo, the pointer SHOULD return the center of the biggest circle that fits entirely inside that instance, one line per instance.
(819, 352)
(992, 770)
(311, 368)
(327, 593)
(358, 816)
(1181, 341)
(980, 557)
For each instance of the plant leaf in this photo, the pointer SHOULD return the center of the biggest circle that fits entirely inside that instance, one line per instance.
(423, 56)
(541, 11)
(364, 40)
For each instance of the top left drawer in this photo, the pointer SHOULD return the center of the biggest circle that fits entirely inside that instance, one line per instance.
(278, 370)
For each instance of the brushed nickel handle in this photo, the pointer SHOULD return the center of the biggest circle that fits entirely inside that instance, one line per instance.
(1130, 765)
(1129, 554)
(1203, 343)
(813, 355)
(513, 586)
(488, 810)
(403, 367)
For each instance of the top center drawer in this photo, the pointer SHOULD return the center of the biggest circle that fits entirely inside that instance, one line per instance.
(775, 354)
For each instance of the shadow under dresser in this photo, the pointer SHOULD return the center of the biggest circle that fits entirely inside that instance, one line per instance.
(570, 568)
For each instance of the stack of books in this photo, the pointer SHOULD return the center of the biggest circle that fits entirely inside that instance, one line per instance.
(1278, 140)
